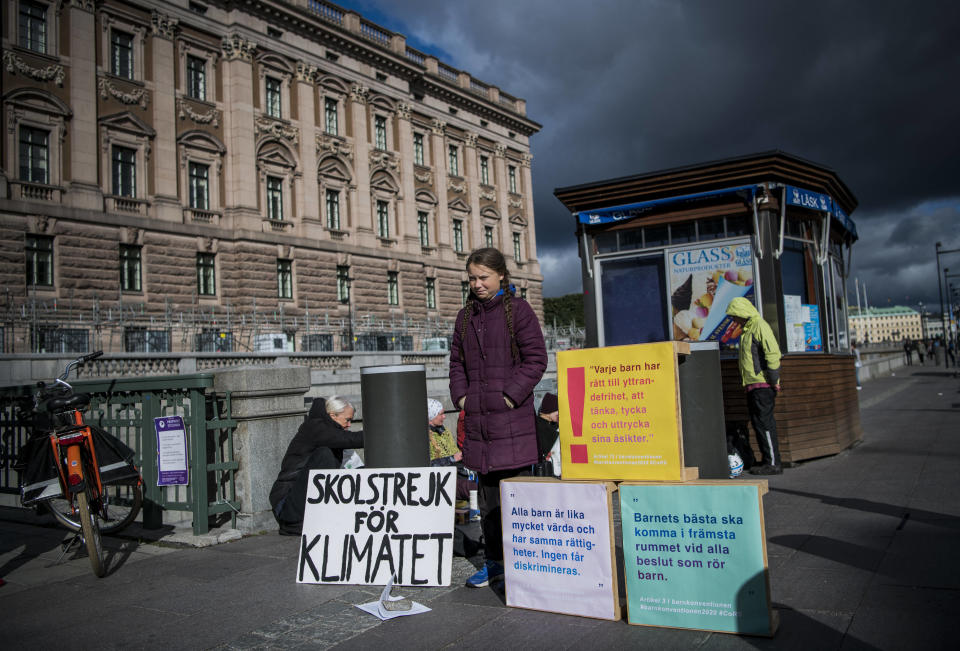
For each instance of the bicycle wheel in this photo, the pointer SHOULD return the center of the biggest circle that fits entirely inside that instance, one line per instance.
(122, 505)
(90, 528)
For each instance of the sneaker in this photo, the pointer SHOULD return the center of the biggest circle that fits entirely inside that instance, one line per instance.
(491, 571)
(766, 469)
(474, 515)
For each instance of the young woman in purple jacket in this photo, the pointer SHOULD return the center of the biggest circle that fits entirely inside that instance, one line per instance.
(497, 357)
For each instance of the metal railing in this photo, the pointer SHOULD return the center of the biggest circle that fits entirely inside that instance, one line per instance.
(126, 408)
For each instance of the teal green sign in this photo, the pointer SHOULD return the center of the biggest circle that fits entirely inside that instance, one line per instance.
(694, 557)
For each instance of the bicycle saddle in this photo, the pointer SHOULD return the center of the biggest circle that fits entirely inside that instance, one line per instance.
(75, 401)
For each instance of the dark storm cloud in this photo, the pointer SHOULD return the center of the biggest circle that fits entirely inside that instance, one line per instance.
(626, 87)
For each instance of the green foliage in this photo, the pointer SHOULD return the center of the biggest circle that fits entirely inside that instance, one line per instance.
(563, 309)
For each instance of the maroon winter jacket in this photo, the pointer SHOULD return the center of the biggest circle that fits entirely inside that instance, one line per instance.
(497, 437)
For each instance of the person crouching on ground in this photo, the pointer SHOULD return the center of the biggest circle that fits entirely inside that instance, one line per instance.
(548, 436)
(760, 374)
(496, 359)
(444, 450)
(318, 444)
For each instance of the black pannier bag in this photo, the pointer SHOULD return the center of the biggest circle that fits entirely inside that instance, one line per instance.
(39, 478)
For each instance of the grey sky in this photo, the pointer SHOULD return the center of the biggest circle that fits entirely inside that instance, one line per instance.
(867, 88)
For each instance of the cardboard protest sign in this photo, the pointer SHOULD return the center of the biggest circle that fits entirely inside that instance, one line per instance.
(619, 412)
(695, 556)
(558, 552)
(364, 526)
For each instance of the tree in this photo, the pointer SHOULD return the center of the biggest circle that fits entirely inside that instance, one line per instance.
(563, 310)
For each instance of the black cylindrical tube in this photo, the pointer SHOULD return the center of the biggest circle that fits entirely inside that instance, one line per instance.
(395, 416)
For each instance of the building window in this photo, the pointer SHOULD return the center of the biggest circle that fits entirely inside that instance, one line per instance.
(464, 292)
(284, 278)
(424, 225)
(512, 174)
(212, 340)
(393, 288)
(34, 155)
(383, 219)
(39, 254)
(523, 293)
(141, 340)
(380, 132)
(121, 54)
(206, 274)
(517, 248)
(199, 186)
(485, 170)
(330, 122)
(333, 210)
(418, 149)
(343, 283)
(124, 171)
(33, 26)
(488, 236)
(273, 86)
(458, 235)
(130, 268)
(275, 198)
(62, 340)
(454, 156)
(431, 288)
(196, 77)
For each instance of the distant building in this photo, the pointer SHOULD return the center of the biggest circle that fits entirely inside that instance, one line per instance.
(878, 324)
(223, 176)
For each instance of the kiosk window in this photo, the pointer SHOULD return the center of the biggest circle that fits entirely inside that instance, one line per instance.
(633, 295)
(737, 226)
(793, 270)
(680, 233)
(656, 236)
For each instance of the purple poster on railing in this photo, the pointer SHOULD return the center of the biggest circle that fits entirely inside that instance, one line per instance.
(171, 451)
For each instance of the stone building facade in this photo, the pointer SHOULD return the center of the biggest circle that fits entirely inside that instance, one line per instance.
(181, 175)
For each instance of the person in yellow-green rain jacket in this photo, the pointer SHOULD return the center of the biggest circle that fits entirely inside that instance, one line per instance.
(760, 374)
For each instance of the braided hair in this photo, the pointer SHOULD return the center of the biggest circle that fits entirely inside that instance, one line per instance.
(491, 258)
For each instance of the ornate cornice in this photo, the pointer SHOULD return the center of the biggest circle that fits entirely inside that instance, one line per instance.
(163, 25)
(138, 96)
(499, 150)
(470, 139)
(270, 127)
(234, 46)
(439, 127)
(14, 64)
(526, 159)
(456, 187)
(86, 5)
(358, 94)
(489, 196)
(514, 203)
(333, 146)
(184, 111)
(426, 177)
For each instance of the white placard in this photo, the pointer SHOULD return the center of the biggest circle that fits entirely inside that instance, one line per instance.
(557, 549)
(366, 525)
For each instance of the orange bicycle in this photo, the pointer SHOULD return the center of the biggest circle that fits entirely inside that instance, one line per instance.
(83, 475)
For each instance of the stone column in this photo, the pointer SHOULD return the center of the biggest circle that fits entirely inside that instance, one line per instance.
(240, 178)
(503, 200)
(361, 214)
(531, 234)
(409, 230)
(308, 192)
(267, 403)
(473, 188)
(438, 147)
(81, 175)
(166, 204)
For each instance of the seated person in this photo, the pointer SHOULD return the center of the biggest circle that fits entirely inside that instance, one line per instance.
(318, 444)
(444, 450)
(548, 433)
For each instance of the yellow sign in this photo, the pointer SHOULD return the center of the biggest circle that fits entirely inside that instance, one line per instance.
(619, 413)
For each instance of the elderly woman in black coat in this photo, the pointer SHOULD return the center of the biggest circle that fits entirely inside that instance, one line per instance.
(318, 444)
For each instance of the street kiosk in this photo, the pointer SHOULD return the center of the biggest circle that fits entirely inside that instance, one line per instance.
(663, 253)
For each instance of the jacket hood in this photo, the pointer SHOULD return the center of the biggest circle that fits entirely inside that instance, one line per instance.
(742, 308)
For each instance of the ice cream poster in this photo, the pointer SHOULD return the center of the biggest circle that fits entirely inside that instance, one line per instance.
(702, 281)
(619, 413)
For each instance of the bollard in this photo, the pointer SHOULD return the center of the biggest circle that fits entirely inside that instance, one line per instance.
(395, 416)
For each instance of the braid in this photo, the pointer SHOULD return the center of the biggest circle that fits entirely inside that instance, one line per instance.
(467, 311)
(508, 313)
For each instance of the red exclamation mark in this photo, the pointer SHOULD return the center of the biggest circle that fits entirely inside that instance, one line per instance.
(576, 389)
